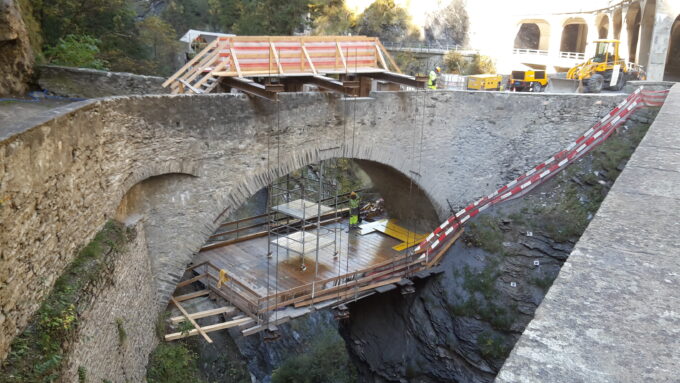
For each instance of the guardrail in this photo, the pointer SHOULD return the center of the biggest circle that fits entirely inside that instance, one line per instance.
(518, 51)
(423, 48)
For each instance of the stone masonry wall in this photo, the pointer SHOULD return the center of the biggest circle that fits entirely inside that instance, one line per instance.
(16, 56)
(99, 348)
(92, 83)
(63, 176)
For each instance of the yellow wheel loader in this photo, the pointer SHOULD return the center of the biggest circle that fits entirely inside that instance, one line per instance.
(605, 70)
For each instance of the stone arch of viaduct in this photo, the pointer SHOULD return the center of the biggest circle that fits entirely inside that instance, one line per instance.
(180, 162)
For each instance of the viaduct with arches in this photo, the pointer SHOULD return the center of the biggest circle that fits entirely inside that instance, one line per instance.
(649, 31)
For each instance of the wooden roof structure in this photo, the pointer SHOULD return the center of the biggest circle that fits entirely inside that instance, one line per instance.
(236, 60)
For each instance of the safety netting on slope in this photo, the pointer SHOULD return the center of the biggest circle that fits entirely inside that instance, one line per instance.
(594, 136)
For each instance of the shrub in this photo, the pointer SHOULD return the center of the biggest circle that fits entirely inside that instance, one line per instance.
(173, 363)
(76, 50)
(455, 62)
(492, 346)
(481, 64)
(327, 361)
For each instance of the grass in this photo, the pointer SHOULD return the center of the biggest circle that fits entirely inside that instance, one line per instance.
(483, 284)
(122, 334)
(492, 346)
(486, 234)
(37, 354)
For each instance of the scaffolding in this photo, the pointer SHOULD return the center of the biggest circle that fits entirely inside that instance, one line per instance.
(295, 210)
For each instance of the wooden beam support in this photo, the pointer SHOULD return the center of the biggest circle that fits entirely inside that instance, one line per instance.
(196, 294)
(389, 57)
(204, 314)
(234, 59)
(190, 319)
(309, 60)
(395, 78)
(251, 87)
(342, 56)
(331, 84)
(192, 280)
(211, 328)
(276, 56)
(188, 65)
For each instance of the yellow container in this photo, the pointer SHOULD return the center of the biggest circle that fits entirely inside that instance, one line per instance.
(484, 82)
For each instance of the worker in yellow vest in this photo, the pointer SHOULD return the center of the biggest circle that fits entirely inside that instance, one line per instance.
(432, 80)
(353, 210)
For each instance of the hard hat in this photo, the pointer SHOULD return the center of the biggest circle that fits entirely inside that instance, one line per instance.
(438, 69)
(353, 195)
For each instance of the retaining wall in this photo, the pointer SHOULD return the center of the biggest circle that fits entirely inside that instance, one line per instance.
(92, 83)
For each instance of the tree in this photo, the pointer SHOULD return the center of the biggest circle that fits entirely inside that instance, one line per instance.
(332, 17)
(455, 62)
(159, 38)
(271, 17)
(76, 50)
(386, 20)
(449, 25)
(481, 64)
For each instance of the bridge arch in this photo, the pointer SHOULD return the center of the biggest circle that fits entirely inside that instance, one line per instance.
(672, 70)
(602, 22)
(533, 34)
(574, 35)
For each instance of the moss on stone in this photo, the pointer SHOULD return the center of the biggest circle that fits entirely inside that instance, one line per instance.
(37, 354)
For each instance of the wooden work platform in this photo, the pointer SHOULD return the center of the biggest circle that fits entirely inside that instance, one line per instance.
(302, 209)
(248, 263)
(304, 243)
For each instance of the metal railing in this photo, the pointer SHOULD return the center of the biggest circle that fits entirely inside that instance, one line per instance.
(422, 47)
(573, 55)
(521, 51)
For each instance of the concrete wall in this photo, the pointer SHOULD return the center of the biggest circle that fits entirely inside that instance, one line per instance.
(66, 175)
(127, 298)
(613, 313)
(91, 83)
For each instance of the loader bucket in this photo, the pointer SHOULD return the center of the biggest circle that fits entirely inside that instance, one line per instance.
(562, 85)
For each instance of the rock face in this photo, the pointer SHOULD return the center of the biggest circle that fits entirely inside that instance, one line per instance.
(16, 57)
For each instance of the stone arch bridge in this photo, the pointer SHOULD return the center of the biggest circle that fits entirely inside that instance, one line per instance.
(182, 163)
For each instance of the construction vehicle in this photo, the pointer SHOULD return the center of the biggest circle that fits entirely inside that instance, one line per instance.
(528, 81)
(605, 70)
(484, 82)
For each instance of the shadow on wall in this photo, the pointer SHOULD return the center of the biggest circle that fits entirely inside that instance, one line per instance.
(404, 199)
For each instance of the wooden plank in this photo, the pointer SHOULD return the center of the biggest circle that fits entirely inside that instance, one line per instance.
(444, 249)
(211, 328)
(276, 56)
(347, 294)
(196, 294)
(204, 314)
(190, 319)
(189, 64)
(380, 56)
(389, 57)
(234, 59)
(192, 280)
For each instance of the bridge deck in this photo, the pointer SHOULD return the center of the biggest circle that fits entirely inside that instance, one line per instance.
(247, 261)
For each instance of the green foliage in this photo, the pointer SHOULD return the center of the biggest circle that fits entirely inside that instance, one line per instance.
(82, 374)
(482, 284)
(327, 361)
(32, 26)
(173, 363)
(76, 50)
(388, 21)
(486, 234)
(331, 17)
(455, 62)
(158, 37)
(492, 346)
(480, 65)
(185, 326)
(36, 355)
